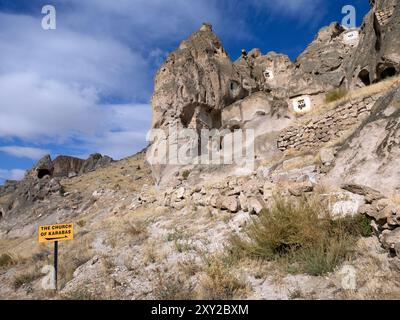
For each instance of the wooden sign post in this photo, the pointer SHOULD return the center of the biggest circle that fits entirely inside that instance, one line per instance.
(55, 233)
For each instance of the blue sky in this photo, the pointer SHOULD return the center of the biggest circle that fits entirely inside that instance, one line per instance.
(86, 86)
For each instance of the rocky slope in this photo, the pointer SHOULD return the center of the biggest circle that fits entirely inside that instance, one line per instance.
(148, 231)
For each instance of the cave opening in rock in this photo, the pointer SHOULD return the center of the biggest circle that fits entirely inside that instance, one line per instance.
(41, 173)
(187, 115)
(387, 73)
(364, 77)
(1, 214)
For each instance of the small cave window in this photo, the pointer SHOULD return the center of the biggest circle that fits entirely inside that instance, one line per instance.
(364, 77)
(387, 73)
(234, 86)
(235, 127)
(1, 214)
(41, 173)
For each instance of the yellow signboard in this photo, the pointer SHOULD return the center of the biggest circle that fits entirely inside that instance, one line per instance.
(56, 232)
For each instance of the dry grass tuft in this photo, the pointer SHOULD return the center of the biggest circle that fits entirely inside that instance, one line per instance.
(219, 281)
(26, 277)
(335, 95)
(6, 260)
(173, 288)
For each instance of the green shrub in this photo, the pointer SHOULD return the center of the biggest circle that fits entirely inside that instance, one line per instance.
(335, 95)
(185, 174)
(62, 191)
(302, 236)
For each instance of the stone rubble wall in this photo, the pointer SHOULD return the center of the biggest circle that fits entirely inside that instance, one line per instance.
(383, 16)
(327, 127)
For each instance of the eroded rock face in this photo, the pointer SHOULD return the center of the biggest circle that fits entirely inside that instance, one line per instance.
(378, 53)
(319, 69)
(44, 179)
(370, 155)
(94, 162)
(195, 83)
(8, 187)
(64, 166)
(44, 167)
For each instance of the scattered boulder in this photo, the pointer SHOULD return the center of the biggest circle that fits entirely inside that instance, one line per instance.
(327, 156)
(369, 193)
(255, 205)
(230, 204)
(390, 238)
(299, 189)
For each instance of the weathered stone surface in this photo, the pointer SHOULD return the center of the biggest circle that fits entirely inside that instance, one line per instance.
(255, 205)
(390, 239)
(320, 68)
(268, 190)
(244, 205)
(8, 187)
(362, 190)
(316, 131)
(378, 54)
(327, 156)
(95, 161)
(63, 166)
(230, 204)
(299, 189)
(369, 156)
(44, 167)
(195, 83)
(255, 107)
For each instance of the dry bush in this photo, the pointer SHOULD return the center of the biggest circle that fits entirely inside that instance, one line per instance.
(6, 260)
(127, 230)
(73, 255)
(26, 277)
(189, 266)
(301, 235)
(219, 282)
(173, 288)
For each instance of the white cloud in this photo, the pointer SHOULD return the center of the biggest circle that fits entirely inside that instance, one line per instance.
(24, 152)
(14, 174)
(72, 57)
(64, 86)
(45, 111)
(53, 83)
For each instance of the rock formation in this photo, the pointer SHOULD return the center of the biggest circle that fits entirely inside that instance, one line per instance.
(66, 166)
(44, 179)
(195, 83)
(341, 155)
(378, 54)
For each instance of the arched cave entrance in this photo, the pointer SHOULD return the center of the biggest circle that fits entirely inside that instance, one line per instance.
(201, 117)
(1, 214)
(387, 72)
(364, 77)
(41, 173)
